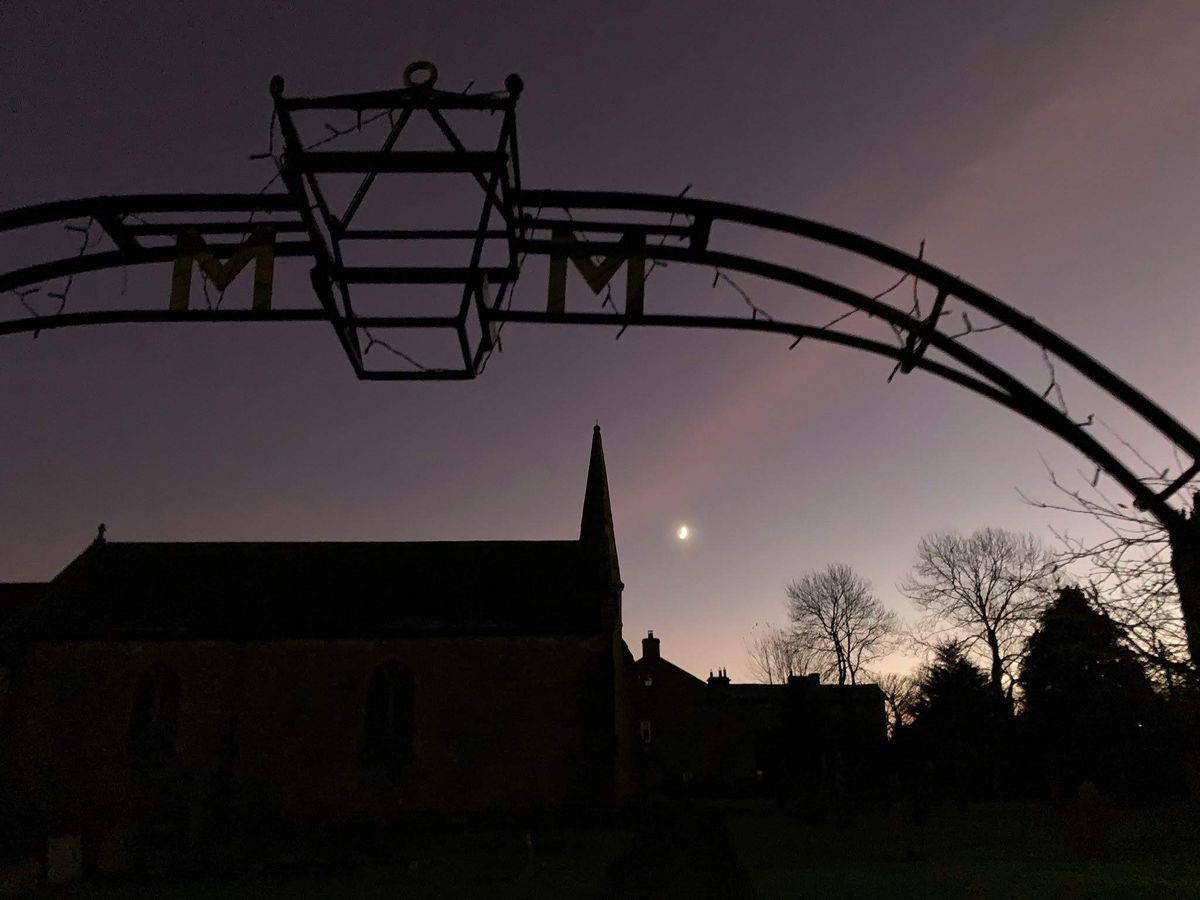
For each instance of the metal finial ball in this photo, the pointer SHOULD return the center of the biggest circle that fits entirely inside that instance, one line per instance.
(514, 83)
(421, 65)
(276, 85)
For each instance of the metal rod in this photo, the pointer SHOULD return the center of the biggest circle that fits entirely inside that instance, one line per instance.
(328, 258)
(458, 145)
(732, 323)
(1082, 362)
(418, 234)
(416, 375)
(1037, 407)
(408, 321)
(373, 161)
(1184, 477)
(159, 317)
(321, 287)
(478, 276)
(369, 178)
(124, 204)
(539, 223)
(401, 98)
(117, 231)
(173, 228)
(418, 274)
(1023, 401)
(515, 152)
(294, 180)
(508, 177)
(112, 259)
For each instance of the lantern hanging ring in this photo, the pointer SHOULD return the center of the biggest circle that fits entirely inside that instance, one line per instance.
(426, 69)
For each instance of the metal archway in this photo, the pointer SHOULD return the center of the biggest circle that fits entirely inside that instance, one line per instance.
(223, 233)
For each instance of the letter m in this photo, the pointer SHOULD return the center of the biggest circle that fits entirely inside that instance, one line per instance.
(191, 248)
(597, 276)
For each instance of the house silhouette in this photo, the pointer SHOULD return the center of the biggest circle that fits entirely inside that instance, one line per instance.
(790, 738)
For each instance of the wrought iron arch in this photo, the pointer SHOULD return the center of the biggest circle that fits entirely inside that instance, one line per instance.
(222, 233)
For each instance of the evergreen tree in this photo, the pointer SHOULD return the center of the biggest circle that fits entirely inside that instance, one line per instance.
(1089, 706)
(960, 723)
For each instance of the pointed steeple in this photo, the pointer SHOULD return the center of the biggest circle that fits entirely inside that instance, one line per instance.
(596, 529)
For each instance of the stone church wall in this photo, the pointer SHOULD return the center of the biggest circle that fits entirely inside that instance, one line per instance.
(500, 725)
(275, 731)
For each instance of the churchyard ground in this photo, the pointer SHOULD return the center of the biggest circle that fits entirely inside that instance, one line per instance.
(739, 849)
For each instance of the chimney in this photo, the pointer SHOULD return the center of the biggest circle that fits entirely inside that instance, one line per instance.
(650, 646)
(720, 678)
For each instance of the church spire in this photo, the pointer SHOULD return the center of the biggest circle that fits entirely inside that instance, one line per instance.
(596, 528)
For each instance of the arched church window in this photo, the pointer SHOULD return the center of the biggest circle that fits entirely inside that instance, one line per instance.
(152, 720)
(388, 734)
(5, 688)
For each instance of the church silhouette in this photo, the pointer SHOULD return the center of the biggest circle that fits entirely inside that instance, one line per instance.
(173, 694)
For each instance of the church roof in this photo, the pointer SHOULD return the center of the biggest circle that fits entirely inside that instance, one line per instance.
(329, 590)
(316, 590)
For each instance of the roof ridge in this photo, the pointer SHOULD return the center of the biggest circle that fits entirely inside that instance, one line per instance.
(309, 543)
(319, 588)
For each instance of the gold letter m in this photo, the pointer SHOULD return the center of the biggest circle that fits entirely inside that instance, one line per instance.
(190, 247)
(597, 276)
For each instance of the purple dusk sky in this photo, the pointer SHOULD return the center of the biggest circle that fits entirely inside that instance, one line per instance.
(1044, 151)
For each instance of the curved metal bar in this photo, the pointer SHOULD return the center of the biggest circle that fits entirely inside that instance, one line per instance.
(823, 287)
(710, 210)
(186, 316)
(1004, 388)
(405, 97)
(730, 323)
(113, 259)
(988, 380)
(137, 204)
(158, 317)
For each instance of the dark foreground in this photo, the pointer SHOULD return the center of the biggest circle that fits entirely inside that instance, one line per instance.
(679, 849)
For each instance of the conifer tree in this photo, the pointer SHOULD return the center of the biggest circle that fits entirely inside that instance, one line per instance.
(960, 723)
(1089, 704)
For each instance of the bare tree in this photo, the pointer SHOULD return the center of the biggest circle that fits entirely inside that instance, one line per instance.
(774, 655)
(983, 590)
(1129, 568)
(899, 692)
(836, 616)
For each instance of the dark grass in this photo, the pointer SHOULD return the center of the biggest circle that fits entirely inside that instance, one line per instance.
(986, 850)
(470, 864)
(682, 849)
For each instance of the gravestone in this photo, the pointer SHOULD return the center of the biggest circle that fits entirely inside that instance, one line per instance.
(19, 879)
(112, 856)
(64, 858)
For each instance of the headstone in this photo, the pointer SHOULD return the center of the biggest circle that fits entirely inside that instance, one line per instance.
(64, 858)
(19, 879)
(1091, 813)
(112, 855)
